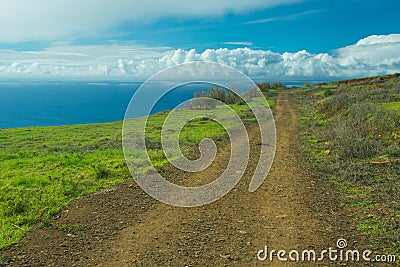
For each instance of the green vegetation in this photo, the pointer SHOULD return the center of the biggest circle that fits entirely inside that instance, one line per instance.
(43, 168)
(194, 131)
(225, 96)
(271, 90)
(353, 133)
(395, 106)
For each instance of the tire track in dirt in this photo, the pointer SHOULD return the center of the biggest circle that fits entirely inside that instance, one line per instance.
(230, 231)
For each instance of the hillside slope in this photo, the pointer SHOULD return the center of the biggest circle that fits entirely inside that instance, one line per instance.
(352, 139)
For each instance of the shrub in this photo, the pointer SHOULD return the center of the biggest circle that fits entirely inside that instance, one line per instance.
(223, 95)
(265, 86)
(201, 104)
(328, 92)
(364, 131)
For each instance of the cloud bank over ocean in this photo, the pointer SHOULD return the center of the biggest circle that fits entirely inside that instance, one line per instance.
(374, 55)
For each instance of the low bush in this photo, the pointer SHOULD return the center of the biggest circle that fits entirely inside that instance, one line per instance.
(200, 100)
(364, 131)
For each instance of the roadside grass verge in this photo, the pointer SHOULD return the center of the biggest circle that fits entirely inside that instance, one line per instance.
(352, 138)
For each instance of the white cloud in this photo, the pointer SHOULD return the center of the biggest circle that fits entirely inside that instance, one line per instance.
(376, 53)
(379, 39)
(239, 43)
(373, 55)
(22, 20)
(284, 18)
(70, 61)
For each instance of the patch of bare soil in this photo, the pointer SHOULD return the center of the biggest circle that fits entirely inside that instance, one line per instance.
(123, 226)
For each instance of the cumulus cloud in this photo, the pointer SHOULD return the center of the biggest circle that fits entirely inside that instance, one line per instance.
(22, 20)
(374, 55)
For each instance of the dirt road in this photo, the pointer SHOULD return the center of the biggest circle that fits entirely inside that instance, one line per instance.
(122, 226)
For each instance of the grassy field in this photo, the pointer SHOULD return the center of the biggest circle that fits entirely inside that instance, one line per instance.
(352, 135)
(43, 168)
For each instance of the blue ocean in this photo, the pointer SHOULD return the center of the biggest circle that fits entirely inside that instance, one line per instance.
(62, 103)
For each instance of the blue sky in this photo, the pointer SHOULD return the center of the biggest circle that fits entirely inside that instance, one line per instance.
(131, 39)
(316, 26)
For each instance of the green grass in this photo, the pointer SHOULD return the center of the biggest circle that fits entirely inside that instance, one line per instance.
(271, 102)
(43, 168)
(395, 106)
